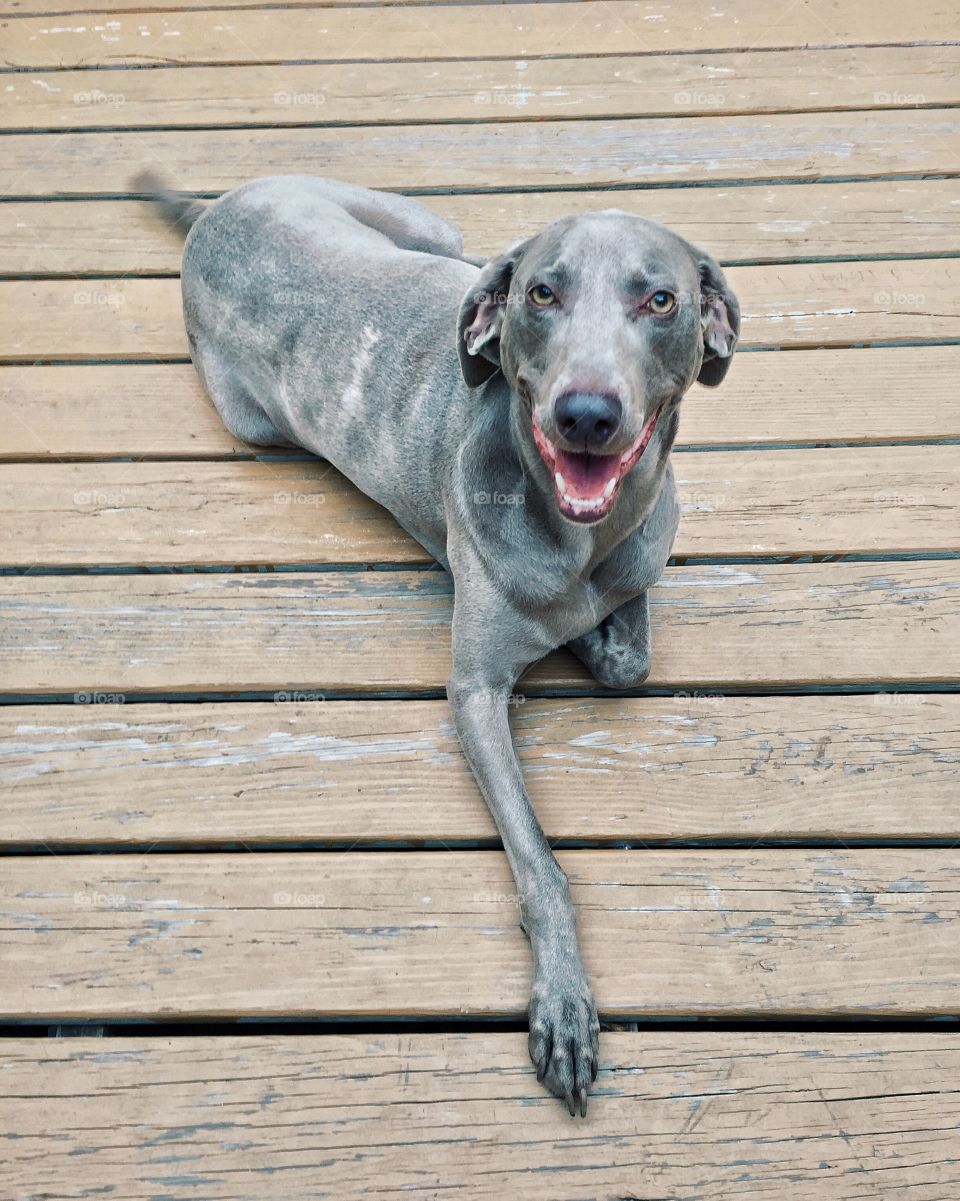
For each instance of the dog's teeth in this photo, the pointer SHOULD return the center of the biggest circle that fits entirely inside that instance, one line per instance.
(561, 483)
(611, 484)
(579, 503)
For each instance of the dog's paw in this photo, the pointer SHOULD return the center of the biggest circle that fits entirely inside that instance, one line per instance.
(565, 1039)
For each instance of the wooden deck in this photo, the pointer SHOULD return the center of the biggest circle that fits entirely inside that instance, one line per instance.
(256, 938)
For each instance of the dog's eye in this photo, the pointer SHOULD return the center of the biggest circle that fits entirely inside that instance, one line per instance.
(662, 303)
(541, 296)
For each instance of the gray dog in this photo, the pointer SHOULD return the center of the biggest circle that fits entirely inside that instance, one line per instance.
(516, 420)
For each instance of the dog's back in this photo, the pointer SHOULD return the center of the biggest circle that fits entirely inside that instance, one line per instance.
(324, 316)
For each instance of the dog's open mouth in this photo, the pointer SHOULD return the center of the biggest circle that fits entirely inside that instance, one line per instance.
(586, 485)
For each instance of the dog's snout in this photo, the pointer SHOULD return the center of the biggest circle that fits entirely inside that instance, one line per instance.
(587, 420)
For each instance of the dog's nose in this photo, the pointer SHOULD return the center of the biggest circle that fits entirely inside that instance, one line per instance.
(587, 419)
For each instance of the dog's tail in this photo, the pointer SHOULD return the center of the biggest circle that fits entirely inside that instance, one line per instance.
(178, 209)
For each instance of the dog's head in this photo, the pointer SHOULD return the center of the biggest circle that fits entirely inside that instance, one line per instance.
(599, 323)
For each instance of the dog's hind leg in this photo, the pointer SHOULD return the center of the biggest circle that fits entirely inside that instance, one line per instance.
(405, 221)
(234, 401)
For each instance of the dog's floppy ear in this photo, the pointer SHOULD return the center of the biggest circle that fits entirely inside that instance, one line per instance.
(719, 320)
(481, 317)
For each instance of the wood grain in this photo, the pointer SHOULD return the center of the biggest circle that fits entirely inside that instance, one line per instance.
(737, 503)
(110, 7)
(144, 410)
(518, 155)
(416, 933)
(820, 1114)
(759, 223)
(373, 33)
(773, 626)
(487, 90)
(610, 769)
(797, 305)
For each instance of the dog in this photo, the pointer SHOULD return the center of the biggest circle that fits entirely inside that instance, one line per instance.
(515, 416)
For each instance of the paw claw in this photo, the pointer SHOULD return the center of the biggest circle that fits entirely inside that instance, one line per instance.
(564, 1039)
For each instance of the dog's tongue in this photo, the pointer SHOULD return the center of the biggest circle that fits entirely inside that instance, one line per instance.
(586, 476)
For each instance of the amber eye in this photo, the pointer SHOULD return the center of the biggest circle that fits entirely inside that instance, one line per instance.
(662, 303)
(541, 296)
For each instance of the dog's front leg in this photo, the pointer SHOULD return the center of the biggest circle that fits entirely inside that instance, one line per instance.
(564, 1030)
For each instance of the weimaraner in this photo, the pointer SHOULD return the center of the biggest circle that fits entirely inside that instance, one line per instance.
(516, 419)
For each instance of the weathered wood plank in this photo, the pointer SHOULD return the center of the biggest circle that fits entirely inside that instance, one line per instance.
(26, 8)
(129, 513)
(499, 89)
(373, 33)
(769, 625)
(612, 769)
(48, 8)
(818, 1117)
(762, 224)
(837, 501)
(530, 154)
(413, 933)
(143, 410)
(795, 305)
